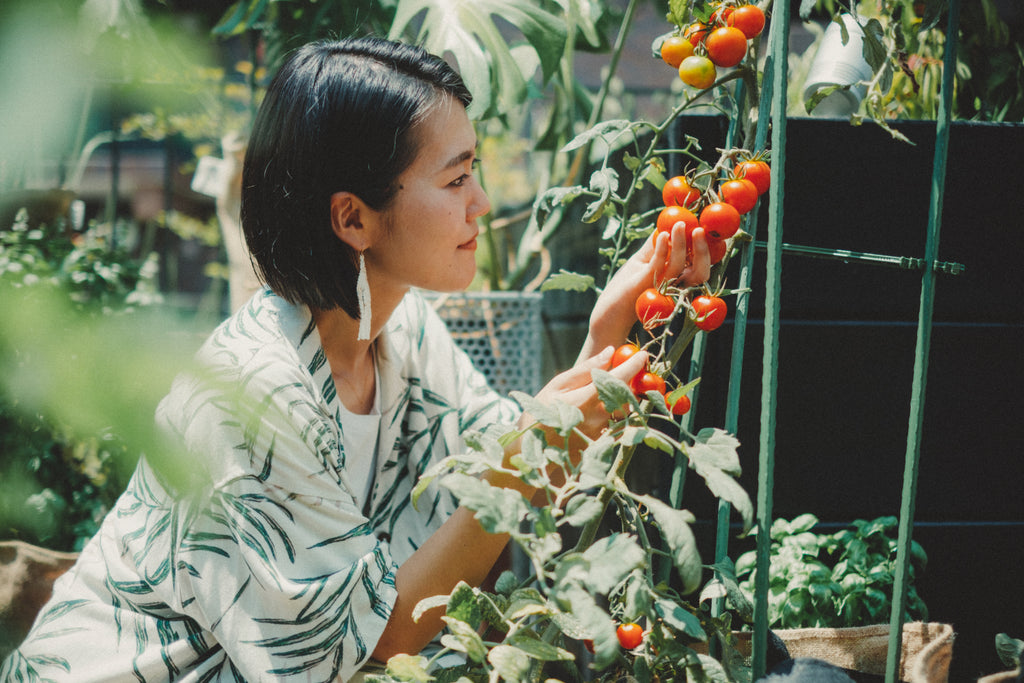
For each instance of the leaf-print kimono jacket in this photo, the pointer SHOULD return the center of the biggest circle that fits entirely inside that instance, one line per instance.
(273, 570)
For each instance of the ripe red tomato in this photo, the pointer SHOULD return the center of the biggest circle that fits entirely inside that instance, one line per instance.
(720, 220)
(757, 172)
(717, 249)
(630, 635)
(678, 192)
(675, 49)
(726, 46)
(698, 72)
(709, 312)
(671, 215)
(739, 192)
(747, 18)
(654, 307)
(681, 406)
(624, 353)
(647, 381)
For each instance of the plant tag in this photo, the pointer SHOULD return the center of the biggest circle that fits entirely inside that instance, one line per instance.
(211, 177)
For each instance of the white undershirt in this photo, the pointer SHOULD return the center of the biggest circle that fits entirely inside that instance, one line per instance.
(359, 434)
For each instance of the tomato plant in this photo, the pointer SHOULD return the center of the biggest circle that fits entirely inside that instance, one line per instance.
(720, 220)
(726, 46)
(757, 172)
(740, 193)
(630, 635)
(698, 72)
(675, 49)
(749, 19)
(708, 312)
(653, 307)
(678, 191)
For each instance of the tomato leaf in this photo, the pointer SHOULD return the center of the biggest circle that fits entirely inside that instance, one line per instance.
(725, 574)
(564, 280)
(582, 508)
(680, 619)
(675, 527)
(531, 644)
(558, 415)
(594, 623)
(715, 448)
(612, 391)
(499, 510)
(611, 127)
(604, 182)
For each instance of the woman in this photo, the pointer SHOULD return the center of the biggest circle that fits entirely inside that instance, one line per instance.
(298, 554)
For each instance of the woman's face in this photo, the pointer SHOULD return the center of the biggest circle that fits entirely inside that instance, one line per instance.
(430, 241)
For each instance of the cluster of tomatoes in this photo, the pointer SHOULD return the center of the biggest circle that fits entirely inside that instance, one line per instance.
(721, 41)
(719, 212)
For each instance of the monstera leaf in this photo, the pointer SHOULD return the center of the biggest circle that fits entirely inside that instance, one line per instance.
(496, 73)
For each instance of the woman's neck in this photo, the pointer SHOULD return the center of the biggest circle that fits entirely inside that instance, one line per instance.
(350, 359)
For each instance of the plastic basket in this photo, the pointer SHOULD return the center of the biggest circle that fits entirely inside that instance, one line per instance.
(501, 333)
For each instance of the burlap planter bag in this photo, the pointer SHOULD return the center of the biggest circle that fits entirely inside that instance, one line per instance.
(926, 654)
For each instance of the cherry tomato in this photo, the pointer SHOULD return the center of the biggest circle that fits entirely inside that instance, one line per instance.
(720, 17)
(747, 18)
(717, 249)
(739, 192)
(589, 644)
(647, 381)
(671, 215)
(726, 46)
(675, 49)
(720, 220)
(709, 312)
(630, 635)
(678, 192)
(757, 172)
(695, 33)
(654, 307)
(681, 406)
(698, 72)
(624, 353)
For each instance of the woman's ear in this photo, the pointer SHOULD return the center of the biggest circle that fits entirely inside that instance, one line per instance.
(349, 217)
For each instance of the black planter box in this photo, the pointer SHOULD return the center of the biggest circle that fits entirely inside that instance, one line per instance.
(846, 355)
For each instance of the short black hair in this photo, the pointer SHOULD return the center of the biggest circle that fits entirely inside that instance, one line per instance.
(336, 117)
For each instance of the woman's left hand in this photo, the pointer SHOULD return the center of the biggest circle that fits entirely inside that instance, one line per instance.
(659, 259)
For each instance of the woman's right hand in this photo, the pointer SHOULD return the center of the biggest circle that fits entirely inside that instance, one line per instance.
(576, 387)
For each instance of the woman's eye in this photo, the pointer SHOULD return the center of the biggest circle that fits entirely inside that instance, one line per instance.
(461, 180)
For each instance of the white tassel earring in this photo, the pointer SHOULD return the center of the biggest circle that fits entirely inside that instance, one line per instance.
(363, 299)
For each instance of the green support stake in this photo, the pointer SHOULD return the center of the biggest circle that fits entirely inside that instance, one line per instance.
(924, 329)
(776, 70)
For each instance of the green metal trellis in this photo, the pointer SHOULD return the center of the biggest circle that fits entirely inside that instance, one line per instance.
(772, 121)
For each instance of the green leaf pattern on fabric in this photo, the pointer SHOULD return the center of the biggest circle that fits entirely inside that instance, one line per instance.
(271, 568)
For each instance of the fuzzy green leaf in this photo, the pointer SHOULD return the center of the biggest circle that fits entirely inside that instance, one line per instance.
(675, 527)
(499, 510)
(572, 282)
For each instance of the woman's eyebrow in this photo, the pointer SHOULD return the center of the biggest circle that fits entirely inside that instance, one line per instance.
(461, 158)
